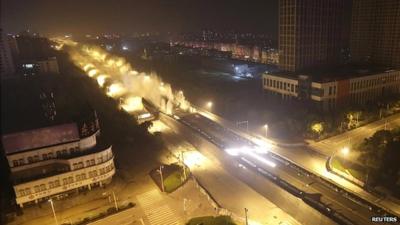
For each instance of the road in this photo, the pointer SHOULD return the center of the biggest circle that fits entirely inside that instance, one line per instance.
(353, 137)
(315, 161)
(267, 203)
(219, 134)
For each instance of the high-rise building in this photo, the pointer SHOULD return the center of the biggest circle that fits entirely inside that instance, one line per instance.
(7, 66)
(310, 33)
(375, 32)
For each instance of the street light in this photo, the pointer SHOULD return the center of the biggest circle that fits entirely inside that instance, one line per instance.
(115, 199)
(161, 176)
(345, 151)
(266, 130)
(209, 104)
(245, 213)
(54, 212)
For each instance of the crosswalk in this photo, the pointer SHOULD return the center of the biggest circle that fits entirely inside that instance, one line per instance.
(157, 212)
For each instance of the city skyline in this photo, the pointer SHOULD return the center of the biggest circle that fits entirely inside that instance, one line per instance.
(94, 17)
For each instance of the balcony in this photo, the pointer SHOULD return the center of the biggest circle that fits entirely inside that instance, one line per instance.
(33, 195)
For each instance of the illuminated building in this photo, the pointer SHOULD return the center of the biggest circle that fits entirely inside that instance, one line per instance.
(310, 33)
(40, 66)
(327, 90)
(375, 32)
(55, 160)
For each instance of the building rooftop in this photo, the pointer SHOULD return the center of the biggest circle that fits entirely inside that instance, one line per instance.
(42, 137)
(335, 74)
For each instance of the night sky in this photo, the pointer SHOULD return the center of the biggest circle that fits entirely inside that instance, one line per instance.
(128, 16)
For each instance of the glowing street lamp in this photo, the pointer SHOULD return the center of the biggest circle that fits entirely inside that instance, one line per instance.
(345, 151)
(209, 104)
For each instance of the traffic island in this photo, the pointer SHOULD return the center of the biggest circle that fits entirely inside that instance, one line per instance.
(211, 220)
(347, 170)
(170, 177)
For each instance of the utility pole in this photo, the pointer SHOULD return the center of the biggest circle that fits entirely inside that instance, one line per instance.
(115, 201)
(183, 165)
(54, 212)
(245, 213)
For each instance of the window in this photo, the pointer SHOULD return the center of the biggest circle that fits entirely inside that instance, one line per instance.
(56, 183)
(21, 192)
(334, 90)
(65, 181)
(36, 158)
(330, 90)
(50, 155)
(15, 162)
(42, 187)
(58, 153)
(92, 162)
(64, 152)
(93, 173)
(30, 159)
(70, 180)
(37, 188)
(292, 87)
(44, 156)
(27, 191)
(274, 84)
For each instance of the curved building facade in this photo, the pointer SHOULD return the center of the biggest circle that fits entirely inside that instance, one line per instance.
(50, 161)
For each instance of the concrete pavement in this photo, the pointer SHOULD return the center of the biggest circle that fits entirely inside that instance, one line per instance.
(234, 195)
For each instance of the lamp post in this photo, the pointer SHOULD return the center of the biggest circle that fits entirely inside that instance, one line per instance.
(266, 130)
(245, 214)
(54, 212)
(109, 200)
(209, 104)
(183, 165)
(161, 177)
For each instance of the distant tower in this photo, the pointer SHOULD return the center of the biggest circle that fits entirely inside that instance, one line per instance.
(310, 33)
(7, 66)
(48, 105)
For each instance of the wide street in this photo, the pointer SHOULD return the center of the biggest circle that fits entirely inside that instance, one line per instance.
(266, 205)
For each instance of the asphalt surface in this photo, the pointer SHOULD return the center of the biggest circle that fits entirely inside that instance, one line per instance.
(218, 134)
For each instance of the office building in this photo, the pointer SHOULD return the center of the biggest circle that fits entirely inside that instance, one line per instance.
(310, 33)
(39, 66)
(375, 32)
(329, 89)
